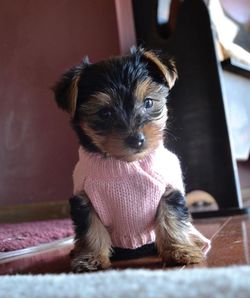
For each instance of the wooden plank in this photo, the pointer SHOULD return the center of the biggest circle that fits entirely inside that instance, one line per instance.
(34, 211)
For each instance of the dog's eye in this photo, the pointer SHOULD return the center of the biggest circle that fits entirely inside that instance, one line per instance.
(148, 103)
(105, 113)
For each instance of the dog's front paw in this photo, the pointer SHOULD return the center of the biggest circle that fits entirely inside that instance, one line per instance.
(186, 255)
(182, 254)
(89, 262)
(192, 250)
(198, 239)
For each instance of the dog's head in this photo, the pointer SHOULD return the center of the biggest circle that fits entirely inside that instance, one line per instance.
(118, 106)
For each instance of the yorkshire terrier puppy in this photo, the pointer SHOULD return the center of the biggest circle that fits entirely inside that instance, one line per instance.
(128, 189)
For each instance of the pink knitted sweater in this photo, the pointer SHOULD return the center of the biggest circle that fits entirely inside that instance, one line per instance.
(126, 195)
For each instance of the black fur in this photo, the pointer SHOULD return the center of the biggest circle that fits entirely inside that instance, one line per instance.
(176, 201)
(61, 89)
(128, 254)
(80, 214)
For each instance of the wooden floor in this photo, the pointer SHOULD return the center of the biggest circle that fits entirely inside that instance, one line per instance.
(230, 245)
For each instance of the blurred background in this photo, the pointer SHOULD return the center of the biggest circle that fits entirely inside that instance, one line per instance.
(41, 39)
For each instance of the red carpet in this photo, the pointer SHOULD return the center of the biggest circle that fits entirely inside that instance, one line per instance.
(23, 235)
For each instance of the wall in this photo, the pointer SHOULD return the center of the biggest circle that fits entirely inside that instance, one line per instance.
(39, 40)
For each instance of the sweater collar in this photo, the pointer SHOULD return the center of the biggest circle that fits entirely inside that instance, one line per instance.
(99, 165)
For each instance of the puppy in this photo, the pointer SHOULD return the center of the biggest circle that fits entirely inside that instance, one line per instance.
(128, 189)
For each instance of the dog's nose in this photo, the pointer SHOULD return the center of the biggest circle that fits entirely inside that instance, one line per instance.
(135, 140)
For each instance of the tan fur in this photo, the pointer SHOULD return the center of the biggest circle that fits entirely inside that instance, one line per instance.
(92, 251)
(114, 146)
(111, 145)
(98, 101)
(169, 77)
(96, 139)
(142, 89)
(153, 134)
(73, 95)
(177, 242)
(102, 98)
(150, 89)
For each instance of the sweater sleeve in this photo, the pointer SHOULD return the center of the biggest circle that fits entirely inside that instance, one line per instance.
(78, 176)
(170, 168)
(176, 177)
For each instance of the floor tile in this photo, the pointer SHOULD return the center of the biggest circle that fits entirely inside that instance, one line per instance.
(231, 245)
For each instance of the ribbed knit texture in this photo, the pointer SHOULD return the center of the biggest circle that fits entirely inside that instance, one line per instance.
(126, 195)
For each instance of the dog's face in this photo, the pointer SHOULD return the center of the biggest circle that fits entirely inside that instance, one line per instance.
(118, 106)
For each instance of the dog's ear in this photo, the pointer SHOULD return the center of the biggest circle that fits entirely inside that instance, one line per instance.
(66, 89)
(166, 70)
